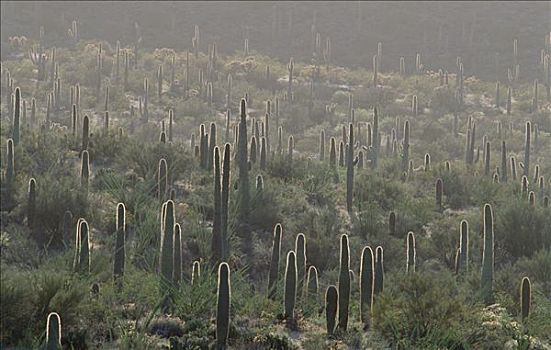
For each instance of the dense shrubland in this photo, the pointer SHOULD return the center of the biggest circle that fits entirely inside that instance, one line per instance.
(157, 198)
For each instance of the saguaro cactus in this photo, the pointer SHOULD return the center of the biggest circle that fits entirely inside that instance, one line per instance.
(243, 185)
(350, 171)
(375, 139)
(504, 167)
(487, 159)
(528, 133)
(487, 277)
(274, 262)
(118, 268)
(290, 68)
(411, 253)
(53, 332)
(290, 285)
(84, 247)
(311, 288)
(223, 306)
(177, 268)
(162, 179)
(344, 283)
(525, 297)
(463, 263)
(439, 191)
(331, 305)
(367, 275)
(31, 204)
(166, 263)
(16, 116)
(300, 252)
(85, 132)
(392, 223)
(332, 153)
(322, 146)
(225, 195)
(217, 244)
(379, 271)
(195, 272)
(85, 170)
(405, 147)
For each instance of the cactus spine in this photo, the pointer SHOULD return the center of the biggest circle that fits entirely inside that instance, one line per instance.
(344, 283)
(118, 268)
(367, 275)
(223, 306)
(411, 253)
(290, 285)
(53, 332)
(487, 277)
(274, 262)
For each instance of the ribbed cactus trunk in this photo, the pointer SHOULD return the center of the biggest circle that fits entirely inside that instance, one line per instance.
(367, 275)
(344, 283)
(243, 184)
(487, 277)
(350, 170)
(263, 153)
(290, 292)
(274, 261)
(332, 153)
(177, 255)
(195, 272)
(53, 332)
(212, 144)
(290, 68)
(504, 168)
(410, 253)
(119, 257)
(312, 285)
(162, 179)
(528, 133)
(217, 244)
(463, 264)
(84, 251)
(378, 283)
(331, 306)
(31, 204)
(16, 116)
(525, 298)
(300, 253)
(405, 147)
(85, 132)
(225, 196)
(85, 170)
(375, 140)
(223, 307)
(487, 155)
(166, 259)
(439, 192)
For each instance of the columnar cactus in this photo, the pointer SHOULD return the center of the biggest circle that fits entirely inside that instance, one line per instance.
(513, 168)
(217, 244)
(379, 271)
(392, 223)
(487, 159)
(375, 139)
(463, 263)
(196, 272)
(274, 262)
(367, 275)
(487, 277)
(223, 307)
(311, 288)
(332, 153)
(84, 260)
(331, 306)
(405, 147)
(344, 283)
(439, 192)
(85, 132)
(16, 116)
(31, 204)
(119, 257)
(162, 179)
(414, 106)
(427, 162)
(532, 199)
(166, 261)
(290, 68)
(160, 83)
(211, 145)
(177, 255)
(497, 94)
(528, 133)
(225, 195)
(535, 97)
(350, 171)
(290, 285)
(402, 66)
(252, 156)
(525, 297)
(524, 187)
(170, 124)
(375, 75)
(263, 153)
(322, 146)
(126, 65)
(243, 195)
(53, 332)
(411, 253)
(85, 170)
(503, 168)
(300, 253)
(290, 148)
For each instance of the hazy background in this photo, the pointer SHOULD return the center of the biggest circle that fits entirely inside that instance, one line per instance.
(439, 31)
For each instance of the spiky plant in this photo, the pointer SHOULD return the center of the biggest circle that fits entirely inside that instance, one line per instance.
(166, 261)
(463, 263)
(375, 139)
(487, 277)
(223, 307)
(243, 182)
(410, 253)
(85, 170)
(274, 262)
(84, 260)
(503, 168)
(217, 244)
(177, 255)
(322, 146)
(85, 132)
(392, 223)
(344, 283)
(527, 135)
(487, 154)
(405, 147)
(225, 195)
(379, 271)
(367, 275)
(350, 170)
(300, 253)
(16, 116)
(439, 192)
(119, 257)
(290, 293)
(31, 204)
(332, 153)
(525, 298)
(53, 332)
(195, 272)
(162, 179)
(311, 288)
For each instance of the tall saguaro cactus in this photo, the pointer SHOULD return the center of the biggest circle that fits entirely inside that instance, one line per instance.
(118, 268)
(344, 283)
(463, 263)
(379, 271)
(217, 244)
(290, 293)
(367, 275)
(53, 332)
(411, 253)
(375, 139)
(16, 116)
(290, 68)
(525, 297)
(274, 262)
(223, 307)
(487, 277)
(166, 263)
(225, 200)
(405, 147)
(528, 133)
(300, 252)
(31, 204)
(331, 306)
(243, 194)
(504, 168)
(350, 170)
